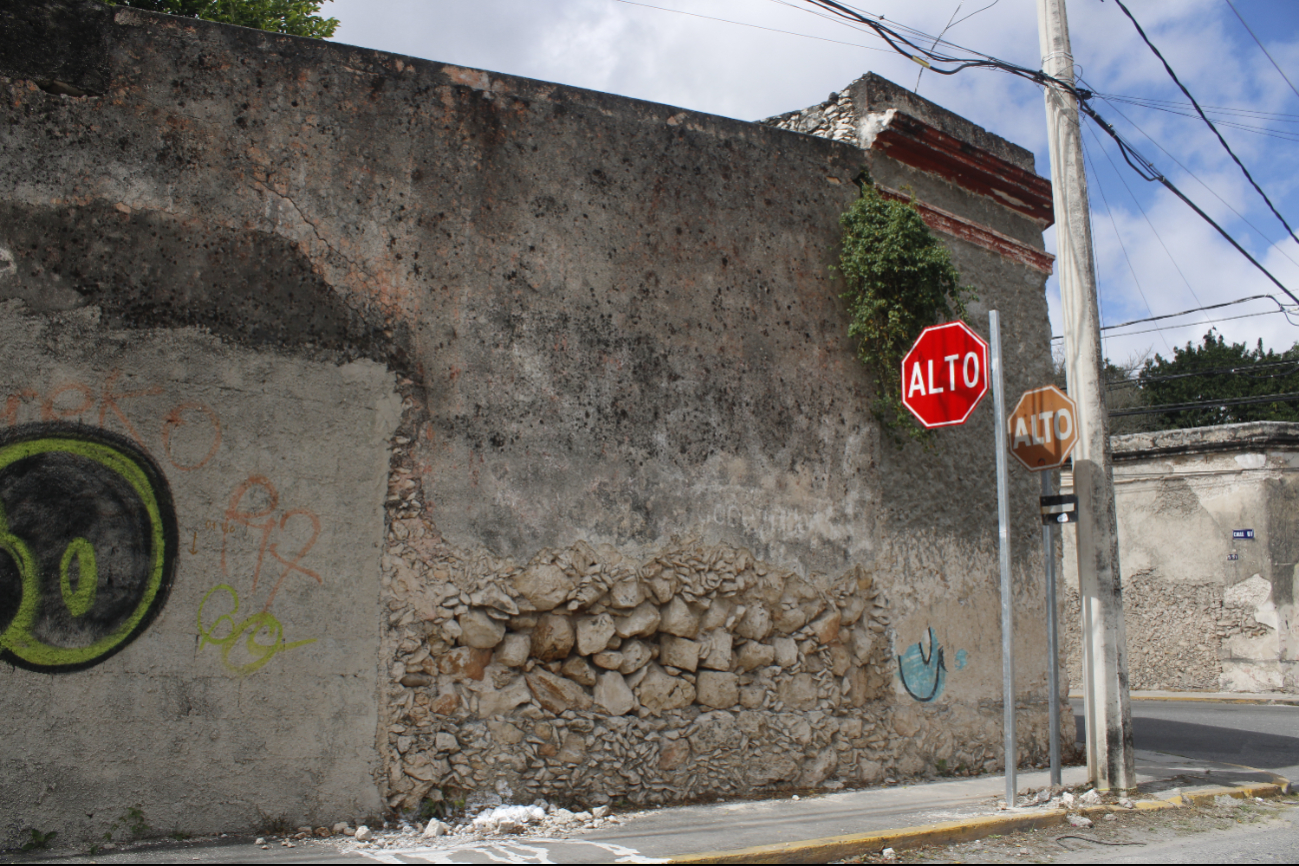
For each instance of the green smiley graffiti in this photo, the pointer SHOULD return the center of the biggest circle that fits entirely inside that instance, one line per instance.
(79, 449)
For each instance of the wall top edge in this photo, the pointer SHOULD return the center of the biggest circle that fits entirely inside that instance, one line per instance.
(66, 46)
(1199, 440)
(874, 94)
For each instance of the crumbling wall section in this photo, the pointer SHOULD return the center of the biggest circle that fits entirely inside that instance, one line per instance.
(1216, 614)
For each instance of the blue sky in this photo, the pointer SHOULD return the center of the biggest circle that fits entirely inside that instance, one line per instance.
(746, 72)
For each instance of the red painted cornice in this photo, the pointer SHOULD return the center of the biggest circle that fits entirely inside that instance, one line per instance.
(980, 235)
(919, 145)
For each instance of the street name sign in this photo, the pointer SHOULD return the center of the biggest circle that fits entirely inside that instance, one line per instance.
(1042, 429)
(1059, 509)
(945, 375)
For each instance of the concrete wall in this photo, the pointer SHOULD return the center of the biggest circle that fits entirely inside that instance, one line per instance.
(600, 347)
(1205, 611)
(250, 696)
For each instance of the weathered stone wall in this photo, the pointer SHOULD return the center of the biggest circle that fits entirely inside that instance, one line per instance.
(1204, 610)
(627, 400)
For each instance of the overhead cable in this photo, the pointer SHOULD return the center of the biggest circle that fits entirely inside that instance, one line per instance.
(1243, 370)
(1274, 245)
(1264, 50)
(1189, 324)
(1109, 211)
(754, 26)
(1281, 308)
(1208, 404)
(1253, 113)
(1206, 119)
(928, 58)
(1144, 215)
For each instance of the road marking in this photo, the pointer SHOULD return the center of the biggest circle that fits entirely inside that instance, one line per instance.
(530, 851)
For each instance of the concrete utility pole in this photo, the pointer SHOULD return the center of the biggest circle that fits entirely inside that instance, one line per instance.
(1105, 664)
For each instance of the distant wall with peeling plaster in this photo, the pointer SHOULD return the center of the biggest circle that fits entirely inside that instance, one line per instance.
(538, 419)
(1205, 610)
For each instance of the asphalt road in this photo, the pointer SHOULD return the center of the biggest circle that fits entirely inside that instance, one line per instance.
(1274, 841)
(1262, 736)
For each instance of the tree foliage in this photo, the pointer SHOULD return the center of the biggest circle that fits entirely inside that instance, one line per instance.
(1214, 371)
(294, 17)
(900, 280)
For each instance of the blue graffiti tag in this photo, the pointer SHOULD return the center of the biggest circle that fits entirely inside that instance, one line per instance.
(962, 659)
(923, 673)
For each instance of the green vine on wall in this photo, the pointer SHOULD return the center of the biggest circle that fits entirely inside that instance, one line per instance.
(900, 280)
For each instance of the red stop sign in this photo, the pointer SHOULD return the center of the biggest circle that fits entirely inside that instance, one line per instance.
(945, 375)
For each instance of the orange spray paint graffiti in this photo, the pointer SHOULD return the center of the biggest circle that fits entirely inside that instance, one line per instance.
(255, 505)
(102, 406)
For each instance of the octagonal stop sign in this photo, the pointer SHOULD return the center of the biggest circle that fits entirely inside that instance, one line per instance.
(945, 375)
(1043, 428)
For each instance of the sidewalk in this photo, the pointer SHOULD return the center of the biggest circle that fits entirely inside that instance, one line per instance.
(830, 826)
(812, 829)
(1210, 697)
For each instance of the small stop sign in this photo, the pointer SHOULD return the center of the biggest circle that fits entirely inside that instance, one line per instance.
(1043, 428)
(945, 375)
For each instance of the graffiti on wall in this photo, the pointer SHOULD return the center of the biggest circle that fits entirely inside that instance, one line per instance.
(924, 672)
(88, 544)
(282, 538)
(189, 433)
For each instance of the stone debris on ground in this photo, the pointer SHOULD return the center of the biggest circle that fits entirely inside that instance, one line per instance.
(1061, 798)
(487, 818)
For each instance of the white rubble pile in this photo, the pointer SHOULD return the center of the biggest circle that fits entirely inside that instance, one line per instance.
(487, 817)
(508, 820)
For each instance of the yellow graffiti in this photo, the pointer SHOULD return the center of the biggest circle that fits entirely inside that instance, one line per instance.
(83, 598)
(260, 652)
(19, 638)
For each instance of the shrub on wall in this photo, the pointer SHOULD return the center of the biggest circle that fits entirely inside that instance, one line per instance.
(900, 280)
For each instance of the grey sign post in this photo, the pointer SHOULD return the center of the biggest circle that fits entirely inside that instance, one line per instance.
(1003, 546)
(1043, 433)
(1052, 641)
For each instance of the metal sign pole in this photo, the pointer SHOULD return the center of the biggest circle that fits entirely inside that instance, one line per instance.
(1052, 645)
(1003, 529)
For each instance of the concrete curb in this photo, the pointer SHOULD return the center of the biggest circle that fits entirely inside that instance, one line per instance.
(839, 847)
(1257, 700)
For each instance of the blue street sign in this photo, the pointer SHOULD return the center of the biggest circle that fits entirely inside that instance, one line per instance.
(1242, 533)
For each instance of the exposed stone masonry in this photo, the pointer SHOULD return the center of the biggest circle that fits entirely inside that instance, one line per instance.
(586, 675)
(1176, 633)
(834, 119)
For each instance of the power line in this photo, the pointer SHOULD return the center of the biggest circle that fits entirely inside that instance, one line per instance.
(1147, 170)
(1272, 245)
(1263, 49)
(1257, 130)
(1141, 165)
(1152, 102)
(1110, 213)
(1223, 404)
(1242, 370)
(1144, 215)
(1281, 309)
(1190, 324)
(754, 26)
(1206, 119)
